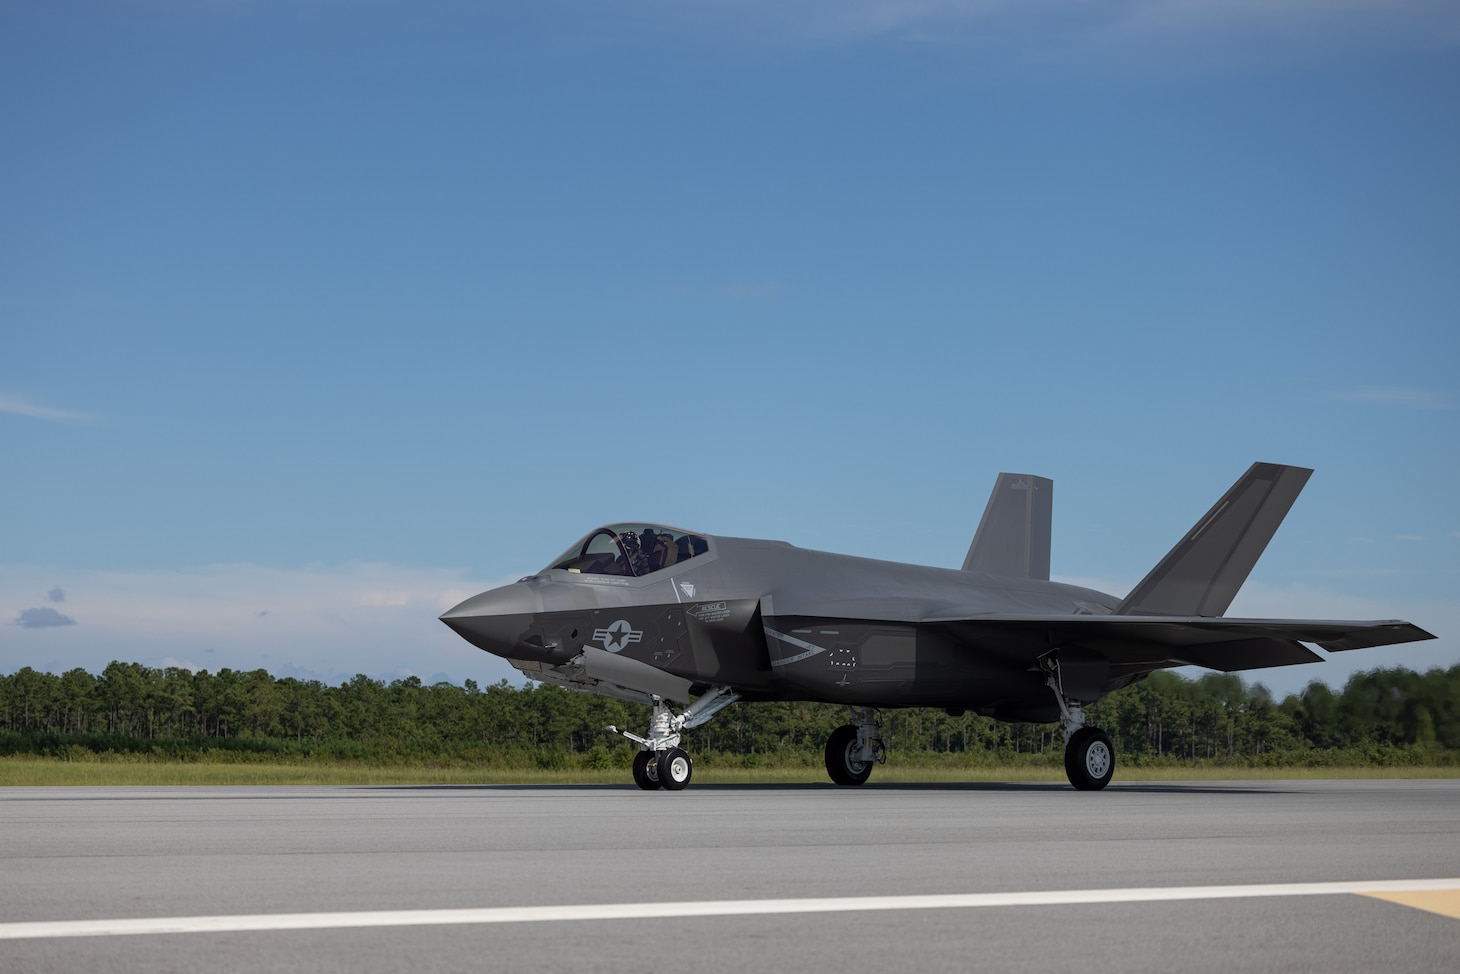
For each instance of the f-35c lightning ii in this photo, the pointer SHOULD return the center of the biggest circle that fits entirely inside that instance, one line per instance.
(656, 614)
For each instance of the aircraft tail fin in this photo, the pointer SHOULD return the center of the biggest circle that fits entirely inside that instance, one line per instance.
(1201, 575)
(1013, 536)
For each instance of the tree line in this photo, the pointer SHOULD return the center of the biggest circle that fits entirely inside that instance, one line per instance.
(1383, 716)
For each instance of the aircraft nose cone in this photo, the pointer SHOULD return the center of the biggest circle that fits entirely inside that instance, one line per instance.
(497, 621)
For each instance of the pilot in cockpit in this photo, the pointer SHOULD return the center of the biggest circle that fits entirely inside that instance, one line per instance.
(648, 546)
(627, 563)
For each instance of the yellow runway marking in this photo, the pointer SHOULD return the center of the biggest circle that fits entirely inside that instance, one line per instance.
(1444, 902)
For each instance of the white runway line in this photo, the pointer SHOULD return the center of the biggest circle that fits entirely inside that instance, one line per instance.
(708, 908)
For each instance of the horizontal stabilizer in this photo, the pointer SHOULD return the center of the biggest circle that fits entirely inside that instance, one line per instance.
(1201, 575)
(1013, 536)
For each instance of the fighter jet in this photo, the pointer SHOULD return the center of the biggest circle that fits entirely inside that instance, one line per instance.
(660, 615)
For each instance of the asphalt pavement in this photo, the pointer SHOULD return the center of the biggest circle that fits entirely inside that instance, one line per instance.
(169, 855)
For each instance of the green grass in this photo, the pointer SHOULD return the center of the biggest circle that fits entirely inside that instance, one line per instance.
(38, 772)
(35, 772)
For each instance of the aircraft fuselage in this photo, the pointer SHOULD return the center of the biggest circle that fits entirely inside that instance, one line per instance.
(714, 620)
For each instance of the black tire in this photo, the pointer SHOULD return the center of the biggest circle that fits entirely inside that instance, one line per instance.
(675, 769)
(646, 770)
(841, 760)
(1089, 759)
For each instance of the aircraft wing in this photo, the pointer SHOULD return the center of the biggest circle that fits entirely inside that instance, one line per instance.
(1330, 634)
(1145, 642)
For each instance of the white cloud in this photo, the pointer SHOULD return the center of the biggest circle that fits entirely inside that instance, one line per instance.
(172, 662)
(750, 292)
(1302, 601)
(20, 406)
(329, 622)
(817, 21)
(1062, 24)
(1375, 572)
(1399, 398)
(44, 618)
(1192, 15)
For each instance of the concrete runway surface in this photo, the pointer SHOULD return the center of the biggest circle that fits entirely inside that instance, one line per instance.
(614, 865)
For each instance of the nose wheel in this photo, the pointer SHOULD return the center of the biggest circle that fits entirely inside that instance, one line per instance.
(661, 762)
(675, 769)
(646, 771)
(670, 770)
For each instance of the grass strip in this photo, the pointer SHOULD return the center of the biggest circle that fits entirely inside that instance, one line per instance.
(45, 772)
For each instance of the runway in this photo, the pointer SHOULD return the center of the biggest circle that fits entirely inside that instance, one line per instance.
(1145, 877)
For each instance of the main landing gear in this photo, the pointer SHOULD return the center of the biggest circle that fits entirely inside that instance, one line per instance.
(662, 763)
(853, 748)
(1089, 754)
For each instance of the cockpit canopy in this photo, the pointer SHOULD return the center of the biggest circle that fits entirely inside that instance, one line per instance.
(631, 549)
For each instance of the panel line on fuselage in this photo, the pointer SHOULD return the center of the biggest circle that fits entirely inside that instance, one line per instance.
(811, 648)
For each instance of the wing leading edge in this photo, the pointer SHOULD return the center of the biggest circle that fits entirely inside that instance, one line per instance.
(1143, 643)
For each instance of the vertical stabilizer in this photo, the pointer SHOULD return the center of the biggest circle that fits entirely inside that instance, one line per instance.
(1201, 575)
(1013, 537)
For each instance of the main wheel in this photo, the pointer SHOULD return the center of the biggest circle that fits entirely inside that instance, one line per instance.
(646, 770)
(842, 762)
(1089, 759)
(675, 767)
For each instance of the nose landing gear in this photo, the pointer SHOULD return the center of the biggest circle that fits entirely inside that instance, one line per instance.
(675, 768)
(646, 770)
(662, 763)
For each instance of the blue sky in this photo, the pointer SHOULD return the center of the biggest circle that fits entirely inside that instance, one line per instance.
(320, 315)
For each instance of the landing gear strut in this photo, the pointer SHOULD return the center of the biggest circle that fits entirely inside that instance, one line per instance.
(662, 763)
(1089, 754)
(853, 748)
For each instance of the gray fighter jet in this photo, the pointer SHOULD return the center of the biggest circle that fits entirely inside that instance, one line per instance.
(656, 614)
